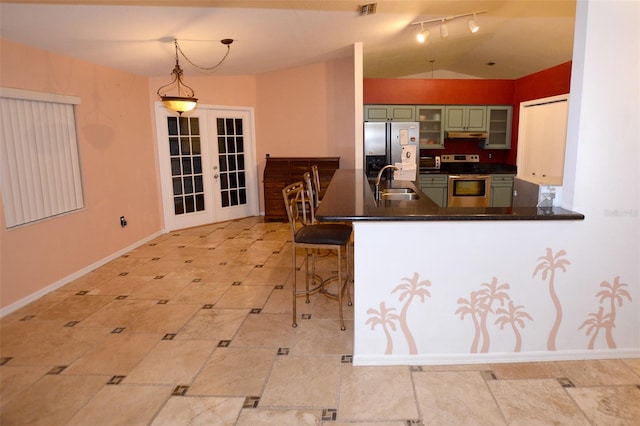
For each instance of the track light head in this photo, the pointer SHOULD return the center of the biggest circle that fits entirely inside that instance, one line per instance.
(472, 25)
(444, 30)
(423, 36)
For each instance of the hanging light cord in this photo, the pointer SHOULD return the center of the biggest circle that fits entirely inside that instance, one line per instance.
(227, 42)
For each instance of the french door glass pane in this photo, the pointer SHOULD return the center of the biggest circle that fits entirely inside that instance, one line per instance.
(186, 164)
(231, 161)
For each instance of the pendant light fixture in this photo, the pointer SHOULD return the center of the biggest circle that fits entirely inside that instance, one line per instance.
(184, 99)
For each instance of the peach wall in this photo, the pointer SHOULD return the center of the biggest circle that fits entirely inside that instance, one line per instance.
(293, 117)
(118, 166)
(307, 112)
(341, 111)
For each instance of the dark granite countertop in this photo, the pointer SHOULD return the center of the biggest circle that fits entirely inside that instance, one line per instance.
(349, 197)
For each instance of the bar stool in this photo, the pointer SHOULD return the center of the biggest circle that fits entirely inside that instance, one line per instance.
(310, 236)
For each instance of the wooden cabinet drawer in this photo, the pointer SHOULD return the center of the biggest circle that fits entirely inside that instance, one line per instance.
(501, 179)
(433, 179)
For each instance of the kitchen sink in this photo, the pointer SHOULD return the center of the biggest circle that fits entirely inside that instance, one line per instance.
(398, 194)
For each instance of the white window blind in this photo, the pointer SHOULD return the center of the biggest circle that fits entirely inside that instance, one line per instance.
(40, 166)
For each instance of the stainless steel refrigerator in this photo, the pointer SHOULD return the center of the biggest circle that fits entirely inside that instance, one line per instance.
(384, 142)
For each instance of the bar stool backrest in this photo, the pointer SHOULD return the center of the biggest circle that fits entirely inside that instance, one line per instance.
(316, 183)
(297, 205)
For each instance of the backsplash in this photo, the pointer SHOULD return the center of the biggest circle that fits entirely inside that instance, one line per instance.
(470, 146)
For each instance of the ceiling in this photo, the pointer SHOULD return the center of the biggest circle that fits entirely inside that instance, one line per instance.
(519, 36)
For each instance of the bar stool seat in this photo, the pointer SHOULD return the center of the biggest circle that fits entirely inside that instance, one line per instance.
(334, 234)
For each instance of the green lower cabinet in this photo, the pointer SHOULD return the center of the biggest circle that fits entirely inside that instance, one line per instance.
(435, 187)
(501, 190)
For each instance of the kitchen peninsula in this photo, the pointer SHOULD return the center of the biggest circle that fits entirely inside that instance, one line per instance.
(350, 198)
(431, 283)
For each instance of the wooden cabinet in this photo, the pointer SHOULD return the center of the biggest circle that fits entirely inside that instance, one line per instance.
(435, 186)
(389, 113)
(282, 171)
(430, 118)
(542, 138)
(499, 127)
(465, 118)
(501, 190)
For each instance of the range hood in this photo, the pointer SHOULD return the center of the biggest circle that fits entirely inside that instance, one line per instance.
(467, 135)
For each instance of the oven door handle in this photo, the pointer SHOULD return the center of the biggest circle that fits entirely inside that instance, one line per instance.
(471, 177)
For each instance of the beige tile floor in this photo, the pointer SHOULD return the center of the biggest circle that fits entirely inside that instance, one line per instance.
(194, 328)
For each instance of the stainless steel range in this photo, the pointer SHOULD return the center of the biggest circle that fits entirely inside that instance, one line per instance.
(468, 187)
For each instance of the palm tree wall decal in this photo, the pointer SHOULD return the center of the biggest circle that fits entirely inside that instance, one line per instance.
(471, 307)
(615, 293)
(488, 295)
(594, 323)
(548, 265)
(480, 305)
(384, 318)
(515, 316)
(410, 289)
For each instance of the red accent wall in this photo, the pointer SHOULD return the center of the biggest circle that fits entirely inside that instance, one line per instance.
(550, 82)
(433, 92)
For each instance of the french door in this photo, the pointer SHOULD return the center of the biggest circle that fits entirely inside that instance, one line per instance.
(207, 165)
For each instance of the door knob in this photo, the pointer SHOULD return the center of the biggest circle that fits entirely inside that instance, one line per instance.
(215, 176)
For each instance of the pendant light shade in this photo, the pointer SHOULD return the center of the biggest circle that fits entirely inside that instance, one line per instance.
(179, 104)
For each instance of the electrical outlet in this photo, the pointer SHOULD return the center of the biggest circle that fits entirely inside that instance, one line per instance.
(123, 221)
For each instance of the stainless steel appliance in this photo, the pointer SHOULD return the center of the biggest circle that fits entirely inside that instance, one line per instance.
(466, 189)
(429, 162)
(383, 144)
(469, 191)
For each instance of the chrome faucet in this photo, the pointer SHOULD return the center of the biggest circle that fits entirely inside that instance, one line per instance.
(376, 187)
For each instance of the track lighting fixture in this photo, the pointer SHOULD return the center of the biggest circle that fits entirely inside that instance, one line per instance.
(185, 99)
(444, 30)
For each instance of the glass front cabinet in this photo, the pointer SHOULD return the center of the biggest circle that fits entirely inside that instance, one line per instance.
(499, 127)
(431, 126)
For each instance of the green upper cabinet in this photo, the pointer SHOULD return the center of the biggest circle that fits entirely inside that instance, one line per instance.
(389, 113)
(431, 126)
(499, 127)
(465, 118)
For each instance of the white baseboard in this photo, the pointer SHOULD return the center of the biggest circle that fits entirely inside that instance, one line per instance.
(493, 358)
(66, 280)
